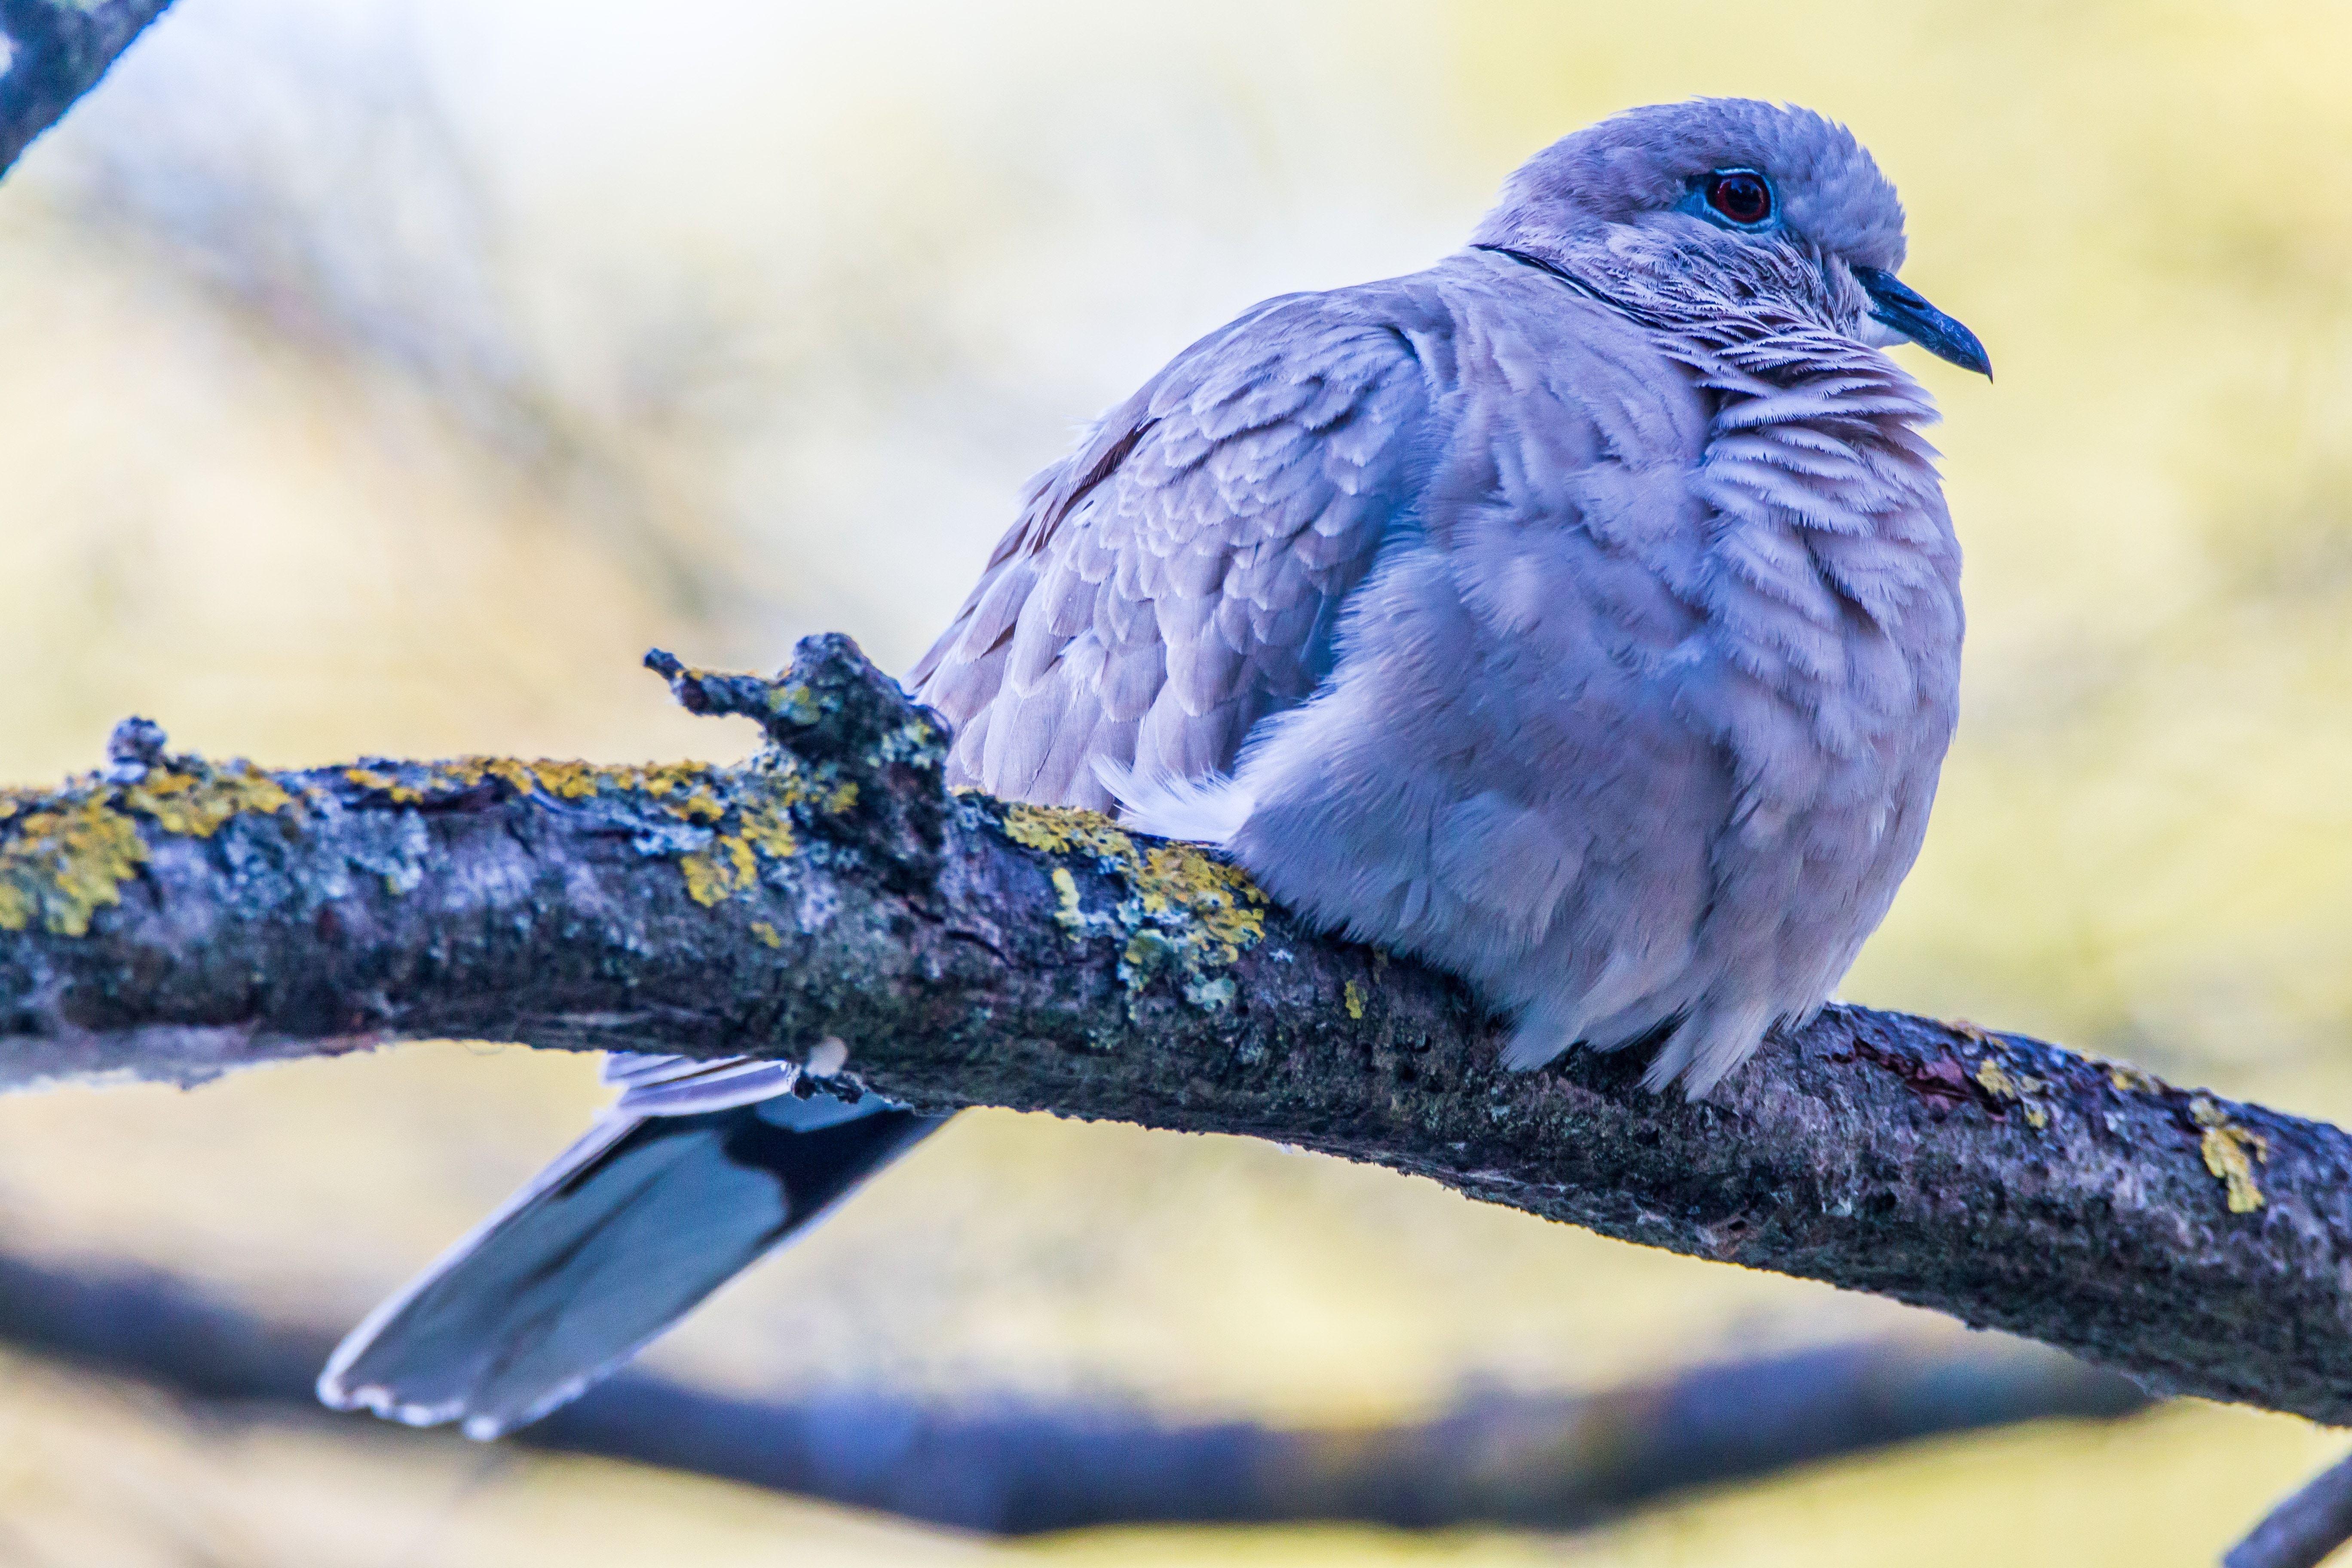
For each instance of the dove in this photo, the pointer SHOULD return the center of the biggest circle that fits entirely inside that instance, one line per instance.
(1581, 616)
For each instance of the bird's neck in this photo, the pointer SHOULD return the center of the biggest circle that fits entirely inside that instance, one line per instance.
(1828, 530)
(1720, 290)
(1827, 518)
(1804, 409)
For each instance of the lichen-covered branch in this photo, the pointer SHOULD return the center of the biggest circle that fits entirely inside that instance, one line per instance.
(56, 50)
(172, 918)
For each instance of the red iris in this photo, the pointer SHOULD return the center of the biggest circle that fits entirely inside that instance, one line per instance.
(1741, 196)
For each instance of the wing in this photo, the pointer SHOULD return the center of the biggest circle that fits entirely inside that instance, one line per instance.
(1179, 575)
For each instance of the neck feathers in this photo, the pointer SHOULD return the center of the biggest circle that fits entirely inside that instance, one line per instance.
(1831, 575)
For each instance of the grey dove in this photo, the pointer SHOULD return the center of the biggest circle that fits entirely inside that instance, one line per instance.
(1581, 615)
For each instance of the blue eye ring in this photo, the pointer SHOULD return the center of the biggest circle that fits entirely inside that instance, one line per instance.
(1743, 198)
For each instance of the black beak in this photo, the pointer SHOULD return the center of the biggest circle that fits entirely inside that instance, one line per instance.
(1903, 309)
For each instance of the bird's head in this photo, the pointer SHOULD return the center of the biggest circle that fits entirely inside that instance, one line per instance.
(1727, 193)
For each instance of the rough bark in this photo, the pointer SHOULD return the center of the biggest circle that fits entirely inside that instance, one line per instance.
(170, 918)
(54, 51)
(1541, 1461)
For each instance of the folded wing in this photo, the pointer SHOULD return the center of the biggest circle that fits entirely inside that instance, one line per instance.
(1180, 577)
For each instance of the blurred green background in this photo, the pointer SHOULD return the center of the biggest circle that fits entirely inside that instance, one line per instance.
(387, 377)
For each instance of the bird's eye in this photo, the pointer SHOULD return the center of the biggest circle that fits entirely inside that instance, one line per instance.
(1739, 195)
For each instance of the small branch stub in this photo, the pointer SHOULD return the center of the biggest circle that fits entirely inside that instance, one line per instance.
(851, 739)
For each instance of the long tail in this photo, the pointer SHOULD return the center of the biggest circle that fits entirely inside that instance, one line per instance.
(696, 1173)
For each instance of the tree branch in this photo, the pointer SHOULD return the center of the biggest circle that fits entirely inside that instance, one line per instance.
(1555, 1461)
(53, 51)
(2300, 1532)
(170, 918)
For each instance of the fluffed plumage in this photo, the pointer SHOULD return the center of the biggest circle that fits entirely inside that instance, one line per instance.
(1581, 615)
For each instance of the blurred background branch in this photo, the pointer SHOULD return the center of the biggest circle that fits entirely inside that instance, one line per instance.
(1495, 1459)
(53, 51)
(359, 228)
(2304, 1529)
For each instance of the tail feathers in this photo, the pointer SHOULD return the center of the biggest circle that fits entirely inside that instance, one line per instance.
(681, 1085)
(625, 1233)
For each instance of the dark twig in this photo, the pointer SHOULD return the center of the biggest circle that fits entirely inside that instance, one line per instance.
(56, 51)
(201, 917)
(2300, 1532)
(1537, 1461)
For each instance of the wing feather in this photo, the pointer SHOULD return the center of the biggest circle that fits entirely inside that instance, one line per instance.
(1177, 578)
(1132, 675)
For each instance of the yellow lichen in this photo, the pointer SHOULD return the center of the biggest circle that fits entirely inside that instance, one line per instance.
(663, 778)
(1222, 901)
(708, 878)
(63, 856)
(752, 814)
(763, 825)
(794, 700)
(685, 792)
(519, 776)
(1352, 995)
(66, 856)
(194, 804)
(568, 781)
(767, 933)
(1059, 829)
(2231, 1153)
(368, 778)
(60, 866)
(701, 805)
(690, 783)
(770, 829)
(1067, 910)
(1185, 907)
(726, 867)
(2019, 1088)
